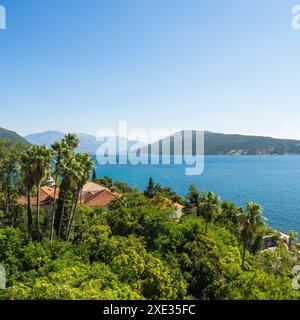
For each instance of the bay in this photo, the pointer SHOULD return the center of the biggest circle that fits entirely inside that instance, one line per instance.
(272, 181)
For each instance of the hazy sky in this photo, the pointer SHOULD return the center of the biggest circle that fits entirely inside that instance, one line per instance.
(229, 66)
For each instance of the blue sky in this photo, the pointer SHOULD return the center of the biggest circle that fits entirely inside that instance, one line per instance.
(228, 66)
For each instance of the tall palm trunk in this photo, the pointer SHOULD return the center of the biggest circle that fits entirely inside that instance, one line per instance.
(54, 209)
(6, 202)
(29, 212)
(244, 254)
(81, 191)
(72, 216)
(206, 227)
(71, 213)
(38, 211)
(8, 199)
(62, 213)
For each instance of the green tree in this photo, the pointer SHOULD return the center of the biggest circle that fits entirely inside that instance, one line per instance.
(192, 201)
(70, 170)
(229, 216)
(105, 181)
(61, 149)
(83, 173)
(149, 191)
(9, 168)
(28, 172)
(209, 208)
(41, 158)
(72, 141)
(94, 175)
(249, 222)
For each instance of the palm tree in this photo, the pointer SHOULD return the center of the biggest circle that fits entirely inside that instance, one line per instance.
(72, 140)
(61, 148)
(41, 158)
(249, 222)
(27, 170)
(83, 174)
(70, 170)
(209, 208)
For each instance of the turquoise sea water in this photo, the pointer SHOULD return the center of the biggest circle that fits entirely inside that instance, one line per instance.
(272, 181)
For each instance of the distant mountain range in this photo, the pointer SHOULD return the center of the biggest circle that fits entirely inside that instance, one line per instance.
(45, 138)
(215, 143)
(11, 136)
(88, 143)
(232, 144)
(235, 144)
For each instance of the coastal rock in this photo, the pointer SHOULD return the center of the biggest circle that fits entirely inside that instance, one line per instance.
(269, 242)
(273, 241)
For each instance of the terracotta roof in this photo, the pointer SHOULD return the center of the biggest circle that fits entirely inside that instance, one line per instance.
(46, 197)
(175, 204)
(22, 201)
(93, 187)
(99, 199)
(50, 192)
(45, 200)
(178, 205)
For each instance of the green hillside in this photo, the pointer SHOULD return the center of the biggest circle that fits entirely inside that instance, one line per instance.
(11, 136)
(11, 141)
(218, 143)
(231, 144)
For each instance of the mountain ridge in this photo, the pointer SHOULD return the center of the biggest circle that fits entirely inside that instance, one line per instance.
(88, 143)
(11, 136)
(214, 143)
(230, 144)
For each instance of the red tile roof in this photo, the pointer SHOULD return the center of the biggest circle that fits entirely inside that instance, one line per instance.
(50, 192)
(178, 205)
(22, 201)
(100, 199)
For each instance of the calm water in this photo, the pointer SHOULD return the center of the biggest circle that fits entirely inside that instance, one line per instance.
(272, 181)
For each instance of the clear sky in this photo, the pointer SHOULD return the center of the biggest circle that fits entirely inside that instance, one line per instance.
(228, 66)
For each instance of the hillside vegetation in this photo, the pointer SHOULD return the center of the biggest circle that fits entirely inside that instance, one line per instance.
(215, 143)
(218, 143)
(11, 136)
(140, 247)
(228, 144)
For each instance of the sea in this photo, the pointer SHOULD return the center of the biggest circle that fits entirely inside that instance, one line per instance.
(271, 181)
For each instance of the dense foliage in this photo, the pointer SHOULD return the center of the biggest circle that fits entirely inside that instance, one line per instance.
(133, 249)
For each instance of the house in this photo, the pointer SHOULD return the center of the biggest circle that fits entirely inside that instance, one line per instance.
(46, 197)
(99, 199)
(178, 211)
(93, 195)
(92, 187)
